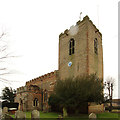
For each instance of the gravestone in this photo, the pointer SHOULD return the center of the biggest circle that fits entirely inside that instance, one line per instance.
(92, 116)
(0, 111)
(6, 117)
(60, 117)
(35, 114)
(20, 114)
(5, 110)
(65, 112)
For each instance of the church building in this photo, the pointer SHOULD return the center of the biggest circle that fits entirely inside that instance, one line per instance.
(80, 53)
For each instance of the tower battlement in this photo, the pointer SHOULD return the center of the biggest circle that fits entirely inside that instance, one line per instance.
(66, 32)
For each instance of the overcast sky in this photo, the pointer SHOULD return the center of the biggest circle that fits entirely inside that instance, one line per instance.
(33, 28)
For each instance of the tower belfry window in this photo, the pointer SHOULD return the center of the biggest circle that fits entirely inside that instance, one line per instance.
(96, 46)
(71, 46)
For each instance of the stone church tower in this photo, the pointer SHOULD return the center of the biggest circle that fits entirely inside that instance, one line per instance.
(80, 50)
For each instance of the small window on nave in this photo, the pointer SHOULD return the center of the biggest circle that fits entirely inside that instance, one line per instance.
(71, 46)
(35, 102)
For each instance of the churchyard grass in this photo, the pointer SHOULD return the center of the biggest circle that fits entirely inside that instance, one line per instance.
(108, 115)
(42, 115)
(101, 116)
(49, 115)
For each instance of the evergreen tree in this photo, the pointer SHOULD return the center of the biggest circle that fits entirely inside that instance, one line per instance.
(8, 94)
(71, 93)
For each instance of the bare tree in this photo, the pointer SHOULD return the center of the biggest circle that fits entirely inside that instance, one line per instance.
(4, 55)
(109, 84)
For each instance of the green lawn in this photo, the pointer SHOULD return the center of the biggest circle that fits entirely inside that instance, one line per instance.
(101, 116)
(108, 115)
(43, 115)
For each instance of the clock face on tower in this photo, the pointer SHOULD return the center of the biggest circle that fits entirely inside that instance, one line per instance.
(69, 64)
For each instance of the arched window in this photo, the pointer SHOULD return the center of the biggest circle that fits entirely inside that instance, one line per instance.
(45, 96)
(96, 46)
(35, 102)
(71, 46)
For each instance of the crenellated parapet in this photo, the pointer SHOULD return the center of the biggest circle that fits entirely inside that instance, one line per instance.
(42, 78)
(66, 32)
(22, 89)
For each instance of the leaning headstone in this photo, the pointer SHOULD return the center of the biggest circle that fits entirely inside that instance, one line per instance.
(92, 116)
(5, 110)
(20, 114)
(65, 112)
(35, 114)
